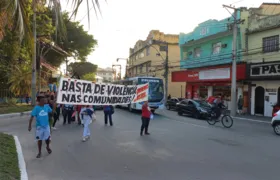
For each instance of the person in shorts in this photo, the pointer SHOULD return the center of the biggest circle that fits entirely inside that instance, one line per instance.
(41, 113)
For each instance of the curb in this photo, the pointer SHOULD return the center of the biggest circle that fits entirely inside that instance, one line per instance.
(253, 120)
(21, 162)
(15, 114)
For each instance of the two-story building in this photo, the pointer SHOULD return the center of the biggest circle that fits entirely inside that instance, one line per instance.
(206, 57)
(263, 58)
(147, 58)
(104, 75)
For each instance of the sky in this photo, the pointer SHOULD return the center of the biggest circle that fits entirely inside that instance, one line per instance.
(124, 22)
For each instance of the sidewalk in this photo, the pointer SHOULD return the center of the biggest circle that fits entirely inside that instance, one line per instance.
(11, 115)
(253, 118)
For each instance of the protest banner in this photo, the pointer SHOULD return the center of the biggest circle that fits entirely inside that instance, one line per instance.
(81, 92)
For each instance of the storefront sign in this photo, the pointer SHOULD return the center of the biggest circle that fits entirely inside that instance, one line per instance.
(193, 76)
(223, 73)
(213, 74)
(269, 69)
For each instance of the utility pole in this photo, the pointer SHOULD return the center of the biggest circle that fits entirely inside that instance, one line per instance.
(166, 73)
(66, 63)
(33, 81)
(166, 67)
(233, 70)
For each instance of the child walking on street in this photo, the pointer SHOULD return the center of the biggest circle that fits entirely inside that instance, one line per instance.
(43, 132)
(86, 116)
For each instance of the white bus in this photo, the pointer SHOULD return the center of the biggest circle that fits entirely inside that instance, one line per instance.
(156, 92)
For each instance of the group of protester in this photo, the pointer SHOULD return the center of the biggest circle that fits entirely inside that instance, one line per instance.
(47, 113)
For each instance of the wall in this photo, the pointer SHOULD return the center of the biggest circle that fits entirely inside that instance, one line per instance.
(145, 57)
(204, 36)
(272, 96)
(255, 53)
(106, 74)
(207, 58)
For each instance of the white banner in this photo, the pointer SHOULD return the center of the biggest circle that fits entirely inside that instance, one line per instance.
(81, 92)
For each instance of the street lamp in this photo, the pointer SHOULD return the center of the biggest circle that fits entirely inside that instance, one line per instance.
(124, 59)
(118, 65)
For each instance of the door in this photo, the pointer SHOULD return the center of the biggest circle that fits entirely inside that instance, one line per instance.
(252, 99)
(259, 100)
(183, 106)
(191, 109)
(174, 102)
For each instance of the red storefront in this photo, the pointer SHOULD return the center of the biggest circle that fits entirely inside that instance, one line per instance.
(200, 81)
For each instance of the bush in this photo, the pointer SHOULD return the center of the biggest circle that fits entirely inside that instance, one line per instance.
(12, 101)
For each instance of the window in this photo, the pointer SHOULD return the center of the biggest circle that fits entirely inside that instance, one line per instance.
(216, 49)
(191, 103)
(148, 65)
(141, 68)
(185, 55)
(197, 52)
(271, 44)
(147, 51)
(185, 102)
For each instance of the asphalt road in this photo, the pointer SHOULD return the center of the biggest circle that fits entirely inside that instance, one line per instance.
(179, 148)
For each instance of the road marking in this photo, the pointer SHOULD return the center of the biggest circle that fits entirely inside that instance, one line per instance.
(182, 122)
(21, 162)
(253, 120)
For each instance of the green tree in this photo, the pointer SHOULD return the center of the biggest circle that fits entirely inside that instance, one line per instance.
(19, 10)
(20, 80)
(89, 77)
(82, 68)
(77, 43)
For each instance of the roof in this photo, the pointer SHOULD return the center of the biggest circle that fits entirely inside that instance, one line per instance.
(104, 69)
(48, 66)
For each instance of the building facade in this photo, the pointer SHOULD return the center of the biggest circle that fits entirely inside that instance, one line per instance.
(147, 58)
(263, 58)
(206, 57)
(105, 74)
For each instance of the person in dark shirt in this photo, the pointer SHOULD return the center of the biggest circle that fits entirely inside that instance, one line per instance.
(108, 111)
(146, 115)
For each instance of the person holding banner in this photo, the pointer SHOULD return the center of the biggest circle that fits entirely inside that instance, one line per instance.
(86, 115)
(108, 111)
(146, 115)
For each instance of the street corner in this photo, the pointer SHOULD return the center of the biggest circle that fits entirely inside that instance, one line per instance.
(13, 115)
(12, 164)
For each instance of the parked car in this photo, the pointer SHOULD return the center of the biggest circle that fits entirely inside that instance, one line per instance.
(276, 108)
(172, 103)
(98, 107)
(196, 108)
(275, 122)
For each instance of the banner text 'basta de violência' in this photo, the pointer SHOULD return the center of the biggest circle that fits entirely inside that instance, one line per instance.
(80, 92)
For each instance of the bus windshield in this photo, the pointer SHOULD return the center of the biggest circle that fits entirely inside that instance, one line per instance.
(156, 92)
